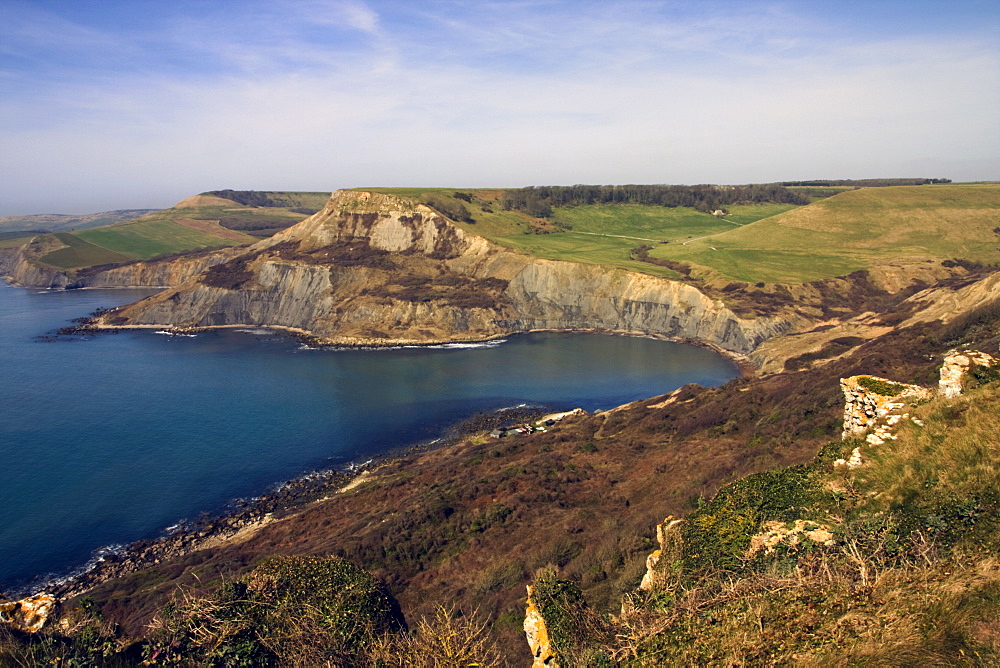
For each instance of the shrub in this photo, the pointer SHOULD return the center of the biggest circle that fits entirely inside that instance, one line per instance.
(573, 626)
(449, 207)
(879, 386)
(717, 535)
(287, 611)
(448, 639)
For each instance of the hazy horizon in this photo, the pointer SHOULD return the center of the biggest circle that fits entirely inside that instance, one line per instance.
(109, 106)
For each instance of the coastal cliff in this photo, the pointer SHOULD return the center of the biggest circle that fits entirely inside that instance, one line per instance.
(377, 269)
(17, 266)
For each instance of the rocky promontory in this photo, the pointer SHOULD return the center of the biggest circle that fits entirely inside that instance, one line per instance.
(378, 269)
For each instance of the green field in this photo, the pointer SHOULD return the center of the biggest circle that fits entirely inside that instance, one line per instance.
(854, 230)
(80, 253)
(603, 234)
(14, 239)
(160, 233)
(143, 240)
(849, 230)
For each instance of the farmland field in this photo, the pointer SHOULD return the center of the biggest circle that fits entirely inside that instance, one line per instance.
(145, 239)
(853, 230)
(173, 230)
(80, 253)
(605, 234)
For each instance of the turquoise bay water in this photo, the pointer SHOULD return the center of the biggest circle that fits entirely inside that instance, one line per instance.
(110, 439)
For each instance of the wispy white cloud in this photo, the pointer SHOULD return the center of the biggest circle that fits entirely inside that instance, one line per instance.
(321, 95)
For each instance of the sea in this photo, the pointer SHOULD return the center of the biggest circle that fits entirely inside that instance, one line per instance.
(113, 438)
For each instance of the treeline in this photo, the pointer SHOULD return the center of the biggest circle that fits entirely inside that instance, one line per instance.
(538, 201)
(865, 183)
(452, 207)
(263, 198)
(257, 225)
(248, 197)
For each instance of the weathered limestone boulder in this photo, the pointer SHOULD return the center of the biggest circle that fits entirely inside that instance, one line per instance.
(29, 614)
(852, 462)
(538, 636)
(956, 365)
(869, 401)
(780, 533)
(659, 562)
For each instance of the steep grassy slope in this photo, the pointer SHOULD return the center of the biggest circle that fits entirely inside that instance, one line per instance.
(902, 566)
(854, 230)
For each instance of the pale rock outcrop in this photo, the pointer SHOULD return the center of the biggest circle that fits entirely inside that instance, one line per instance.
(15, 265)
(156, 274)
(660, 561)
(775, 533)
(543, 656)
(865, 408)
(29, 614)
(956, 365)
(547, 294)
(852, 462)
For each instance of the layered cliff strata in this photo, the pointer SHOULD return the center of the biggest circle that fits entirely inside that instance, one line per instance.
(377, 269)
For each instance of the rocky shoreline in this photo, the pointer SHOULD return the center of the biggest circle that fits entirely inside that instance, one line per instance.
(92, 325)
(245, 516)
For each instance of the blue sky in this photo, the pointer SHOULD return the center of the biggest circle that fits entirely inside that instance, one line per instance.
(139, 104)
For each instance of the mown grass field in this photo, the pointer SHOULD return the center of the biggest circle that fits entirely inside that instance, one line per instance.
(853, 230)
(81, 253)
(148, 238)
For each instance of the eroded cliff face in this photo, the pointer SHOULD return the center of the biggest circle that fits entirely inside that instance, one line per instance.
(16, 267)
(563, 295)
(377, 269)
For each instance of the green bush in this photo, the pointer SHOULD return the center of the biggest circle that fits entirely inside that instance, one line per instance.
(878, 386)
(717, 535)
(572, 625)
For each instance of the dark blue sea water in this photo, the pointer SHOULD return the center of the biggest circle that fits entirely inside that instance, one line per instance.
(110, 439)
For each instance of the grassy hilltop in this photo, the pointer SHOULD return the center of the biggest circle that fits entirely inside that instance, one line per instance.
(855, 230)
(840, 231)
(835, 235)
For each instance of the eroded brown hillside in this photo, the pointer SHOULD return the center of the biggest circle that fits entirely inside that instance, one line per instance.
(469, 525)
